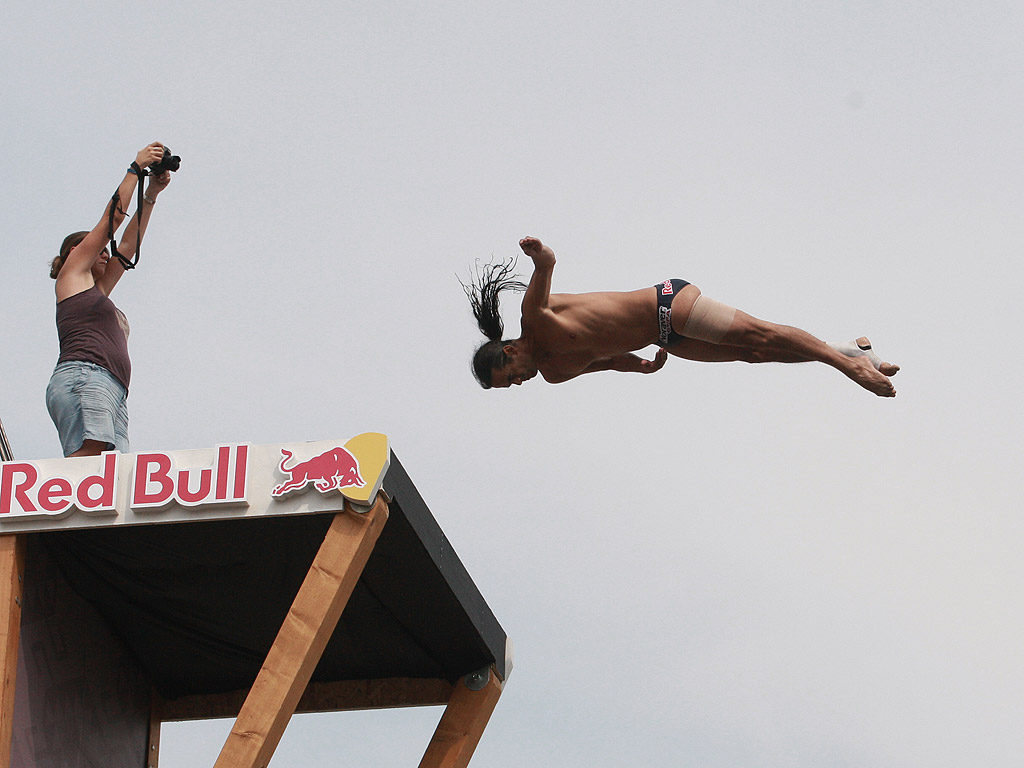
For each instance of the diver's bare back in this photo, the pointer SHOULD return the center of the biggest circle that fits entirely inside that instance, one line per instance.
(579, 329)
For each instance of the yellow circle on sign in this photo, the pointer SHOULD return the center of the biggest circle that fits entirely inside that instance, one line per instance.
(372, 453)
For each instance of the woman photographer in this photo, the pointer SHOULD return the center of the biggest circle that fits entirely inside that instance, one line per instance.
(87, 394)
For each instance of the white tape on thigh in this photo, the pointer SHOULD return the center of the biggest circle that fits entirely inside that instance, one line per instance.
(709, 320)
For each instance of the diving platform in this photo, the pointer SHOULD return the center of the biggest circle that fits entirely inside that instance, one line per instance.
(243, 582)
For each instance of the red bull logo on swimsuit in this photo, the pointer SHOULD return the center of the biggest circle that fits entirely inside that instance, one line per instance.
(237, 480)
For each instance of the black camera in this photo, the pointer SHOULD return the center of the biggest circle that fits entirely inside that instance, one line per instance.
(168, 162)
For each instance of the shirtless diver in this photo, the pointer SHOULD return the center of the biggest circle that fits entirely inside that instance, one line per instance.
(568, 334)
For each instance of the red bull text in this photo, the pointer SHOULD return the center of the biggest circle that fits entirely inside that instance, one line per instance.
(25, 491)
(157, 484)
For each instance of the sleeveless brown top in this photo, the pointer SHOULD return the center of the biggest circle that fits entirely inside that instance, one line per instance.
(91, 329)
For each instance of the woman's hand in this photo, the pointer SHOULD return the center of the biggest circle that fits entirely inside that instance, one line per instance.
(150, 154)
(158, 184)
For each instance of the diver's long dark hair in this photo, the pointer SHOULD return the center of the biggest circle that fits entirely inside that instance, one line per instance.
(483, 292)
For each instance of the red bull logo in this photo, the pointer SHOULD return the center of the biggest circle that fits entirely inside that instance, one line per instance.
(332, 470)
(222, 483)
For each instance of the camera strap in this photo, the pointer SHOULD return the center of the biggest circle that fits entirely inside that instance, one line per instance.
(116, 203)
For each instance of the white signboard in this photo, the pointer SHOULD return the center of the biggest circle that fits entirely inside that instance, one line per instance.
(229, 481)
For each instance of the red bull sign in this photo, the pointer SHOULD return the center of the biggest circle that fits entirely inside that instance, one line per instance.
(228, 481)
(331, 470)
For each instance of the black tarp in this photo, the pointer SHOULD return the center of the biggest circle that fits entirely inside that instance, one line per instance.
(200, 603)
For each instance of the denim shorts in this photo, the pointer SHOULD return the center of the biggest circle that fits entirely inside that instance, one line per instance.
(86, 402)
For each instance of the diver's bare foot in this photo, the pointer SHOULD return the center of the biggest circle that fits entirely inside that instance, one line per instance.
(889, 369)
(533, 248)
(862, 348)
(864, 373)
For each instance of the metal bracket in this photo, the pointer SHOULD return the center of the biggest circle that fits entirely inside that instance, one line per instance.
(477, 681)
(362, 509)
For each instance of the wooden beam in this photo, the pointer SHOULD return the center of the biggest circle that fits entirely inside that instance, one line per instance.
(12, 570)
(303, 636)
(339, 696)
(462, 724)
(352, 695)
(153, 748)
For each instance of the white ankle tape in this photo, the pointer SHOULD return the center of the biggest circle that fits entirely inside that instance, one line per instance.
(852, 349)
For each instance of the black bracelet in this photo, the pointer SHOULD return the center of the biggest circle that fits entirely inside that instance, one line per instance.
(134, 168)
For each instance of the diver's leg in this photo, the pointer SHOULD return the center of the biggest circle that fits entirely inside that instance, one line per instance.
(698, 317)
(706, 352)
(748, 331)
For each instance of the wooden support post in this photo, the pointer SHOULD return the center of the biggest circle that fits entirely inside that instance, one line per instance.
(303, 636)
(12, 570)
(462, 724)
(155, 721)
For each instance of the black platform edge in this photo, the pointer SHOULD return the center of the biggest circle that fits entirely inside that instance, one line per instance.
(398, 485)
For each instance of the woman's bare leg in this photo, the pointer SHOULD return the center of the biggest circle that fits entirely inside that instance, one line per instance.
(90, 448)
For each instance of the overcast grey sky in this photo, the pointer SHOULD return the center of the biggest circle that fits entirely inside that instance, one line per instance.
(714, 566)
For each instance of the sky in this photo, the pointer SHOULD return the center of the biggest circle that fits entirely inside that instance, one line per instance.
(715, 565)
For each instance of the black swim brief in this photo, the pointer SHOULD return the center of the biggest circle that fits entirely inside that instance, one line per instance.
(666, 292)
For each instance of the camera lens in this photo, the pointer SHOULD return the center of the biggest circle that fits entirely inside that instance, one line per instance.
(168, 162)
